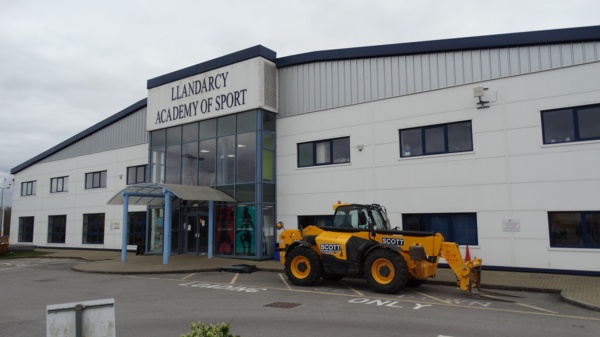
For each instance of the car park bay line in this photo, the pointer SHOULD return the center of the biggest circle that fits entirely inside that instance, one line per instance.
(379, 297)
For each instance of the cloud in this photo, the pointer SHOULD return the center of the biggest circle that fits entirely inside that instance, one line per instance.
(66, 65)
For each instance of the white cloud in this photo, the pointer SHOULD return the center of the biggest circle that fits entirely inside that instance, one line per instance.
(66, 65)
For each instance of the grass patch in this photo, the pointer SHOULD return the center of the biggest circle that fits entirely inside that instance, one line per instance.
(21, 254)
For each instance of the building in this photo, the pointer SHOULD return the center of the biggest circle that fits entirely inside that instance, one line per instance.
(493, 141)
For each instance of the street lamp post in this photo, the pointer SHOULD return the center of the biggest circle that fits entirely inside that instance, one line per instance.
(3, 187)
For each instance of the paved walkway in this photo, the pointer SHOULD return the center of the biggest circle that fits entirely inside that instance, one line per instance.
(579, 290)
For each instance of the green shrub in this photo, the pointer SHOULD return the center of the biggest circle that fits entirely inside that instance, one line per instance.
(201, 330)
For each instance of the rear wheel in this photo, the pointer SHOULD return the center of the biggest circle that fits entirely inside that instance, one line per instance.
(303, 266)
(386, 271)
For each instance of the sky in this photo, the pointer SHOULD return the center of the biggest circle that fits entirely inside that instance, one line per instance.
(67, 65)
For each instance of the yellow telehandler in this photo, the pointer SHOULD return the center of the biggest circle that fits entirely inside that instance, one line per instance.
(362, 242)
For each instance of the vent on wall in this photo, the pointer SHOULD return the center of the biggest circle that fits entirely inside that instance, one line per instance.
(270, 92)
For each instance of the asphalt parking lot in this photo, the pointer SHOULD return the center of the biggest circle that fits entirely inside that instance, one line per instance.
(266, 304)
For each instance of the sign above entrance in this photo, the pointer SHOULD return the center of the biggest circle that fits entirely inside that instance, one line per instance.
(242, 86)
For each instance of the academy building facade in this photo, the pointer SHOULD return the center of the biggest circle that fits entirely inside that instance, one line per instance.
(494, 141)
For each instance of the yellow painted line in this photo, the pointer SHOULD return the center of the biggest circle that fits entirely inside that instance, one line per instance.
(536, 308)
(356, 291)
(284, 281)
(234, 278)
(190, 275)
(432, 297)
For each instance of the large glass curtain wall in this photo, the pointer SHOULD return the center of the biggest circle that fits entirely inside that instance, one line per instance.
(235, 154)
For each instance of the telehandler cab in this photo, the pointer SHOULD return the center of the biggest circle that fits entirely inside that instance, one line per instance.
(361, 242)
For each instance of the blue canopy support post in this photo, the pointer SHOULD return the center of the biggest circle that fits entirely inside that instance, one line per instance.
(211, 228)
(124, 228)
(167, 227)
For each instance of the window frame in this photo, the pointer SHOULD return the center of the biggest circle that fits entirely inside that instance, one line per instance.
(64, 182)
(54, 228)
(87, 236)
(136, 173)
(423, 130)
(583, 229)
(28, 188)
(101, 181)
(574, 119)
(329, 151)
(449, 233)
(24, 223)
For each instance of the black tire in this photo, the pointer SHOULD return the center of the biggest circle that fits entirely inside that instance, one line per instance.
(386, 271)
(303, 266)
(332, 277)
(414, 283)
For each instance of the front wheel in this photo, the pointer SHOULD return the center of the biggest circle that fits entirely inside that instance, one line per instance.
(303, 266)
(386, 271)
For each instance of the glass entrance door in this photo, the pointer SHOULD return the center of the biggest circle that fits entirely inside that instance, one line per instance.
(196, 238)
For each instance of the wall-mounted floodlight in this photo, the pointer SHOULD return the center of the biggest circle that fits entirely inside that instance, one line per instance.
(479, 92)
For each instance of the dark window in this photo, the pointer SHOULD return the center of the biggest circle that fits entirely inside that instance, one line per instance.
(136, 228)
(315, 220)
(436, 139)
(571, 124)
(93, 228)
(95, 180)
(26, 229)
(136, 174)
(574, 229)
(28, 188)
(57, 227)
(324, 152)
(60, 184)
(455, 227)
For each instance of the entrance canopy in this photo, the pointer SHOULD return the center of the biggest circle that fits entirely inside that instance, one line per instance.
(161, 195)
(153, 194)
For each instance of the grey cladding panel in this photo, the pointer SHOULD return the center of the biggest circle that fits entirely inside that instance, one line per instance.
(330, 84)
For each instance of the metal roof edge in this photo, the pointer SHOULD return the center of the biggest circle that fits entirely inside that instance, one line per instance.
(239, 56)
(110, 120)
(563, 35)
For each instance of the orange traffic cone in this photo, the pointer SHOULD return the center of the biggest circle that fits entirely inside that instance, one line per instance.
(467, 255)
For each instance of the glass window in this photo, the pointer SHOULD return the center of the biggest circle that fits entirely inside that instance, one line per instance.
(174, 135)
(324, 152)
(269, 192)
(26, 229)
(136, 174)
(226, 125)
(246, 121)
(208, 129)
(136, 228)
(268, 121)
(57, 228)
(455, 227)
(189, 163)
(574, 229)
(158, 138)
(436, 139)
(28, 188)
(245, 192)
(315, 220)
(268, 165)
(173, 165)
(224, 233)
(158, 165)
(60, 184)
(226, 160)
(95, 180)
(246, 157)
(190, 133)
(93, 228)
(571, 125)
(207, 162)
